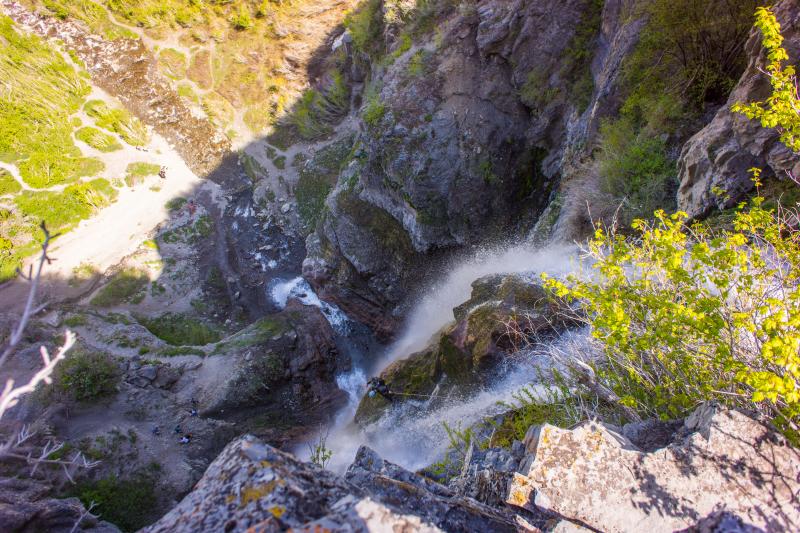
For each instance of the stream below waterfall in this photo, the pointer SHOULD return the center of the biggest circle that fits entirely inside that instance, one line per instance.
(412, 434)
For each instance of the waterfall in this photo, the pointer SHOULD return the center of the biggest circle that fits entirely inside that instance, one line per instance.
(411, 434)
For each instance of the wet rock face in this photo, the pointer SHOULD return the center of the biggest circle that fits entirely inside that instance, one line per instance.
(504, 314)
(720, 154)
(25, 507)
(254, 487)
(726, 460)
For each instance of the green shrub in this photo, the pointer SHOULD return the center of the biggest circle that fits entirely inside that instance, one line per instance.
(137, 171)
(180, 330)
(8, 185)
(118, 121)
(127, 286)
(242, 20)
(86, 376)
(374, 111)
(129, 503)
(97, 139)
(175, 204)
(365, 25)
(636, 169)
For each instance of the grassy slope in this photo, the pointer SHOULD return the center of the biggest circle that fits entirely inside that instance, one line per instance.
(38, 125)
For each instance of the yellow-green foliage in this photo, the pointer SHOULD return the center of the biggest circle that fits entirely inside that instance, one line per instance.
(8, 185)
(685, 315)
(137, 171)
(63, 210)
(87, 11)
(365, 25)
(780, 110)
(97, 139)
(118, 121)
(41, 91)
(173, 63)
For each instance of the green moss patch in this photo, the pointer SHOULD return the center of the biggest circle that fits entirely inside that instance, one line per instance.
(180, 330)
(127, 286)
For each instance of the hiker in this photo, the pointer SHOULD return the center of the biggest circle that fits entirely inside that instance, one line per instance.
(378, 385)
(186, 439)
(156, 431)
(178, 429)
(193, 412)
(191, 207)
(162, 173)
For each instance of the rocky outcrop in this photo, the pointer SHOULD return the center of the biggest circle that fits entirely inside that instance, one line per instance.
(464, 140)
(280, 370)
(504, 313)
(26, 508)
(720, 155)
(254, 487)
(594, 475)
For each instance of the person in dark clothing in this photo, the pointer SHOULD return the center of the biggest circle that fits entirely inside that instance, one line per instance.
(378, 385)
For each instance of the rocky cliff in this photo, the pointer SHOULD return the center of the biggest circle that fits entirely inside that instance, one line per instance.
(715, 163)
(466, 132)
(592, 477)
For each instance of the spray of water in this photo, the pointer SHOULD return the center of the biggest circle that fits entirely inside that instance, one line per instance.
(413, 435)
(435, 309)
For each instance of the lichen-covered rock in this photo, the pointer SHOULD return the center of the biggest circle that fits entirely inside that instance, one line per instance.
(434, 503)
(595, 476)
(26, 508)
(256, 488)
(720, 155)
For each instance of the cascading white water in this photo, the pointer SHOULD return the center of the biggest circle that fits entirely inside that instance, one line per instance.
(435, 309)
(353, 382)
(299, 289)
(412, 435)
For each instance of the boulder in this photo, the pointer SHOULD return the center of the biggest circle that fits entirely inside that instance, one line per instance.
(597, 477)
(278, 373)
(720, 155)
(256, 488)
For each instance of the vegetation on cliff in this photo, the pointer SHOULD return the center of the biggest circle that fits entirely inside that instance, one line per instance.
(686, 313)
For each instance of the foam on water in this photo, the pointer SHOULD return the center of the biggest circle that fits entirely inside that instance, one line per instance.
(299, 289)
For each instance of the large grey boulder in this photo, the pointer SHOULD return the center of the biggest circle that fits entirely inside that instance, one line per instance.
(254, 487)
(720, 155)
(596, 476)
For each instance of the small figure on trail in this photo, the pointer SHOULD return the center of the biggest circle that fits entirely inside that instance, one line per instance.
(178, 429)
(193, 412)
(378, 385)
(162, 173)
(156, 431)
(186, 439)
(190, 205)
